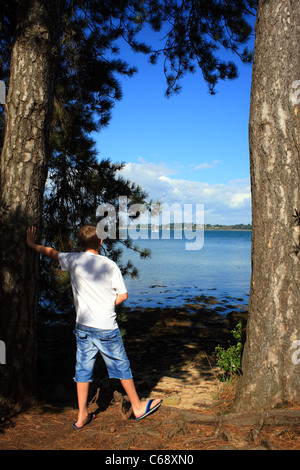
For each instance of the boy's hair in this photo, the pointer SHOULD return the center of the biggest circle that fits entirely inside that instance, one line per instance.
(88, 238)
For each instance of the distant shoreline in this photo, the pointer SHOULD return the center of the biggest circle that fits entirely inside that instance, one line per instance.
(228, 229)
(216, 228)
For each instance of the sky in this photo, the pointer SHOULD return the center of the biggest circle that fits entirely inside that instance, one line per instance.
(191, 148)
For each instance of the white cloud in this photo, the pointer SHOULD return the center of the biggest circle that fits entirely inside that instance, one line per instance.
(223, 203)
(205, 165)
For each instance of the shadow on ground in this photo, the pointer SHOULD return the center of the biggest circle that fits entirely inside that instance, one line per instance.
(160, 343)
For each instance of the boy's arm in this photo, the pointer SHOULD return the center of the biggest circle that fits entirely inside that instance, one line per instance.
(121, 298)
(43, 250)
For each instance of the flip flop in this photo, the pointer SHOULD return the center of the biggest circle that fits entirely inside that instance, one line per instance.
(90, 418)
(149, 409)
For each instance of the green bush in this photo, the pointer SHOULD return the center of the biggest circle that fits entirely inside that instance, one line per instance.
(230, 359)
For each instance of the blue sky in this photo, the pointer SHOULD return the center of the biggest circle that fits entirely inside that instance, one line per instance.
(191, 148)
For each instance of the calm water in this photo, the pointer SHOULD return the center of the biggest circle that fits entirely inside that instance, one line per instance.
(174, 275)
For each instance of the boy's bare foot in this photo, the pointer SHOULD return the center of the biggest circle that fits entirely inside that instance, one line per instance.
(146, 408)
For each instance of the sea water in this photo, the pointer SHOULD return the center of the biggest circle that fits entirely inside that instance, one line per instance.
(174, 275)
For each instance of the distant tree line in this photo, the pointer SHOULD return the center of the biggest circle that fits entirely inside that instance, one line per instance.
(182, 226)
(228, 227)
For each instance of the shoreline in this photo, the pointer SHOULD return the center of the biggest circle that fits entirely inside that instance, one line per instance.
(192, 229)
(182, 299)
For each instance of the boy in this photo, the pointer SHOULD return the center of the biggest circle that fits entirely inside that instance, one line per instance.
(98, 287)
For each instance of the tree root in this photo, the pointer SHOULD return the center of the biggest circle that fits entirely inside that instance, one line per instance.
(278, 417)
(227, 425)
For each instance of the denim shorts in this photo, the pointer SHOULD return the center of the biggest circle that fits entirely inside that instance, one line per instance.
(109, 344)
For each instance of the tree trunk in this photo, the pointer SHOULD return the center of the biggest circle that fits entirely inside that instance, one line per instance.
(23, 174)
(271, 369)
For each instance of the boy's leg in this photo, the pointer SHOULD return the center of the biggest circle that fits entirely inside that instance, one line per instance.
(131, 392)
(117, 363)
(138, 406)
(82, 396)
(85, 360)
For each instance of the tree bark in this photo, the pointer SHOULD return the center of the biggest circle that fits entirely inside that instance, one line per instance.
(28, 111)
(271, 371)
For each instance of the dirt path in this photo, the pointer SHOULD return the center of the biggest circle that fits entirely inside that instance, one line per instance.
(171, 352)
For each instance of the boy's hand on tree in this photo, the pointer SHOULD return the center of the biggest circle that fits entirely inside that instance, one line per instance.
(31, 236)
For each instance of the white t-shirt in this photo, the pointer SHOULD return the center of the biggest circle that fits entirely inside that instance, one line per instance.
(96, 281)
